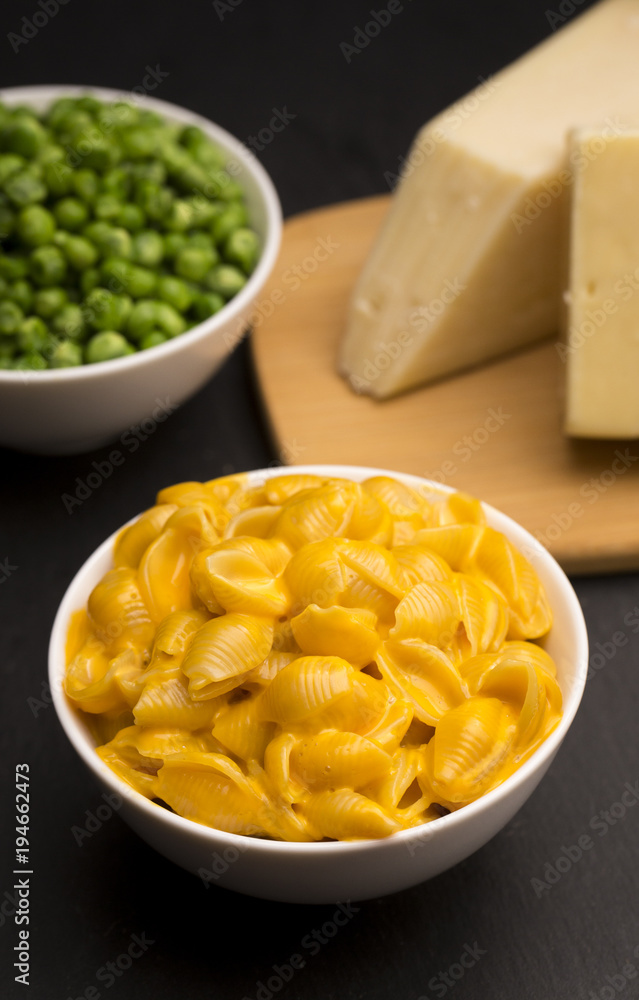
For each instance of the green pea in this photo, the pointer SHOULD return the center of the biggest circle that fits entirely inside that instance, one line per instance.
(193, 263)
(234, 216)
(208, 156)
(230, 189)
(36, 225)
(86, 184)
(33, 335)
(58, 178)
(24, 136)
(8, 220)
(105, 310)
(226, 280)
(89, 104)
(131, 217)
(80, 253)
(111, 241)
(203, 211)
(207, 304)
(139, 143)
(205, 242)
(65, 354)
(148, 248)
(70, 322)
(169, 320)
(139, 282)
(242, 247)
(29, 363)
(123, 113)
(11, 316)
(48, 265)
(21, 293)
(89, 279)
(155, 201)
(117, 181)
(71, 124)
(48, 301)
(191, 135)
(173, 243)
(101, 155)
(13, 266)
(180, 216)
(149, 170)
(71, 213)
(174, 291)
(25, 188)
(152, 339)
(50, 153)
(106, 207)
(10, 164)
(8, 348)
(58, 111)
(106, 346)
(142, 319)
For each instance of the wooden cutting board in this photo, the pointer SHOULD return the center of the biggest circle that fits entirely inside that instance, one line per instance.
(494, 432)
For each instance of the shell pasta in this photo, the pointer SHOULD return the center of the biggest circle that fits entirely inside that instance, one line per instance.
(314, 658)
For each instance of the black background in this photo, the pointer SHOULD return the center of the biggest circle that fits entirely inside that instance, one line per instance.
(353, 120)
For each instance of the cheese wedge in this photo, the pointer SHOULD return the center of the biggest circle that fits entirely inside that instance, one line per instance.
(467, 265)
(601, 347)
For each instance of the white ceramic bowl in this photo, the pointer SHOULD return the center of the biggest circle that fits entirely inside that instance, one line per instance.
(338, 871)
(70, 410)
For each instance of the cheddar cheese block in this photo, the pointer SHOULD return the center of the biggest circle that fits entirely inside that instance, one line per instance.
(468, 263)
(601, 345)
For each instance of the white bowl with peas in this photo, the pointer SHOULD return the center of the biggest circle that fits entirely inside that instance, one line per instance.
(135, 238)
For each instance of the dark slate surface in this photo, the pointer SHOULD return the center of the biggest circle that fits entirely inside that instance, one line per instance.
(577, 937)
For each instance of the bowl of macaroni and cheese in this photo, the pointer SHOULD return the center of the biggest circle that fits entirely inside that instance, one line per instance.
(321, 682)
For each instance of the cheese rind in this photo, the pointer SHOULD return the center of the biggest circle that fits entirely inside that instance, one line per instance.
(468, 263)
(601, 346)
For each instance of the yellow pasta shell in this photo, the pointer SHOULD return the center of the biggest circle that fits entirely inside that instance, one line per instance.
(223, 652)
(307, 688)
(346, 815)
(333, 759)
(429, 612)
(167, 701)
(467, 754)
(417, 564)
(423, 675)
(347, 632)
(316, 575)
(211, 789)
(240, 729)
(132, 542)
(120, 614)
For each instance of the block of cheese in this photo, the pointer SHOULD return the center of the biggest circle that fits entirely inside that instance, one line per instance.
(601, 346)
(467, 265)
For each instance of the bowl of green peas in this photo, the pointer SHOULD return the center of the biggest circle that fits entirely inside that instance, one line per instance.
(135, 238)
